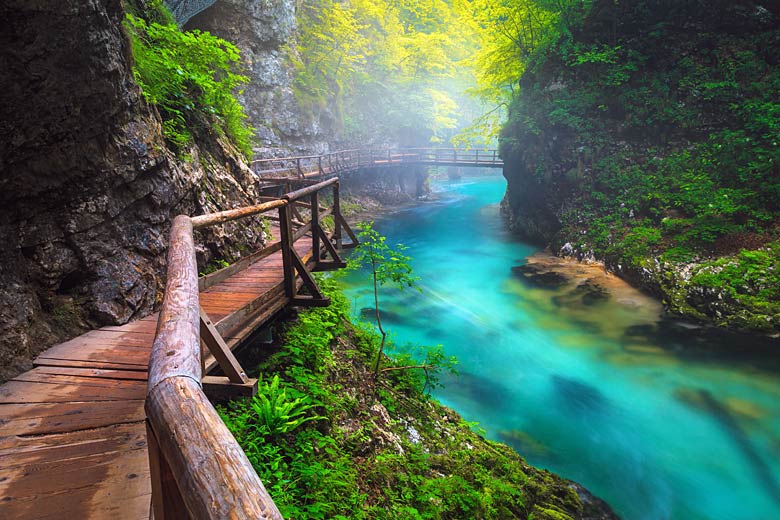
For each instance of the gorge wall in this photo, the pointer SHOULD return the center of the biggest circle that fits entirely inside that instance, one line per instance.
(87, 184)
(265, 34)
(648, 139)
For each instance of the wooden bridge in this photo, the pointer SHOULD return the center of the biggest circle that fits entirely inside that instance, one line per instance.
(115, 423)
(346, 161)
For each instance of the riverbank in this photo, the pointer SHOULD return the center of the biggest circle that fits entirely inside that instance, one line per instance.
(388, 451)
(594, 389)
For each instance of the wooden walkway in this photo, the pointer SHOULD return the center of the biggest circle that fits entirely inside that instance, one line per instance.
(73, 441)
(345, 161)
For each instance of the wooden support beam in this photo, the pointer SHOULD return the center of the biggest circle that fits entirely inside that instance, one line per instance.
(224, 356)
(308, 280)
(337, 213)
(220, 387)
(349, 231)
(337, 262)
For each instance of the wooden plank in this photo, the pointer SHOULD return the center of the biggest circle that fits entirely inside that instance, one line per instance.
(56, 362)
(236, 336)
(107, 353)
(49, 418)
(135, 327)
(234, 318)
(211, 279)
(100, 473)
(36, 376)
(20, 451)
(94, 372)
(36, 392)
(139, 364)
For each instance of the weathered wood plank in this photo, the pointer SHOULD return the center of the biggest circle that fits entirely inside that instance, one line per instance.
(34, 392)
(49, 418)
(93, 372)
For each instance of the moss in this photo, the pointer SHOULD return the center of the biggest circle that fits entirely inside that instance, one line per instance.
(545, 513)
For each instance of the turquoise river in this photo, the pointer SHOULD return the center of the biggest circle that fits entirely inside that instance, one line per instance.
(661, 419)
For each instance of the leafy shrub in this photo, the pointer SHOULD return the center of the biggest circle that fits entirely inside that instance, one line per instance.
(190, 76)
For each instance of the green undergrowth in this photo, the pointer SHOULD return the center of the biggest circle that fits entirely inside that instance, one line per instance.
(327, 443)
(659, 155)
(192, 78)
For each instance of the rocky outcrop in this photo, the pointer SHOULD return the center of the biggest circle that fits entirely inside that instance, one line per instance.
(606, 126)
(388, 186)
(265, 33)
(87, 185)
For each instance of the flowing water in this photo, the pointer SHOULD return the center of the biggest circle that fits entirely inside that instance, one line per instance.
(661, 420)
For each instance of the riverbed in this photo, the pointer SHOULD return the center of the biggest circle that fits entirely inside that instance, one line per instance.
(662, 419)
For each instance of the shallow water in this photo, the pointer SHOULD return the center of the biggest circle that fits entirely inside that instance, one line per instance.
(660, 420)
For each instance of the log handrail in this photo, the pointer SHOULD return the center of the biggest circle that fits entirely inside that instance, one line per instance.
(197, 468)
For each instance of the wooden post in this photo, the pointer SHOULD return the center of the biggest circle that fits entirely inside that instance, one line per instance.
(315, 227)
(319, 165)
(167, 502)
(336, 215)
(494, 155)
(298, 167)
(212, 473)
(285, 230)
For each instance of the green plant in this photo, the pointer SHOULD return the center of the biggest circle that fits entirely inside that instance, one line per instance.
(191, 77)
(277, 411)
(387, 266)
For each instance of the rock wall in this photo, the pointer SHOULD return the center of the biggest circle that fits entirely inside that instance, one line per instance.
(390, 187)
(87, 185)
(265, 33)
(638, 90)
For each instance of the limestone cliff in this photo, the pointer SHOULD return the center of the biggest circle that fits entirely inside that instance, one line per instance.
(647, 137)
(87, 185)
(265, 33)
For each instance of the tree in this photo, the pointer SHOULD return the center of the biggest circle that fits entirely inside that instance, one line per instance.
(387, 265)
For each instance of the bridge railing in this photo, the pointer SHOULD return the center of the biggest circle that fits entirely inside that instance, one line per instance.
(198, 470)
(348, 160)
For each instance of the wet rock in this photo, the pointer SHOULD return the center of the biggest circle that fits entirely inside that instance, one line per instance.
(586, 293)
(591, 293)
(88, 186)
(539, 276)
(643, 330)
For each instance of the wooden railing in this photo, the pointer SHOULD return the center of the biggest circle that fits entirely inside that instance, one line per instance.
(198, 470)
(334, 163)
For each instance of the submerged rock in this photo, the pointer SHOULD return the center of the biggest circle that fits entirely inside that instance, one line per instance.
(539, 275)
(577, 395)
(587, 293)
